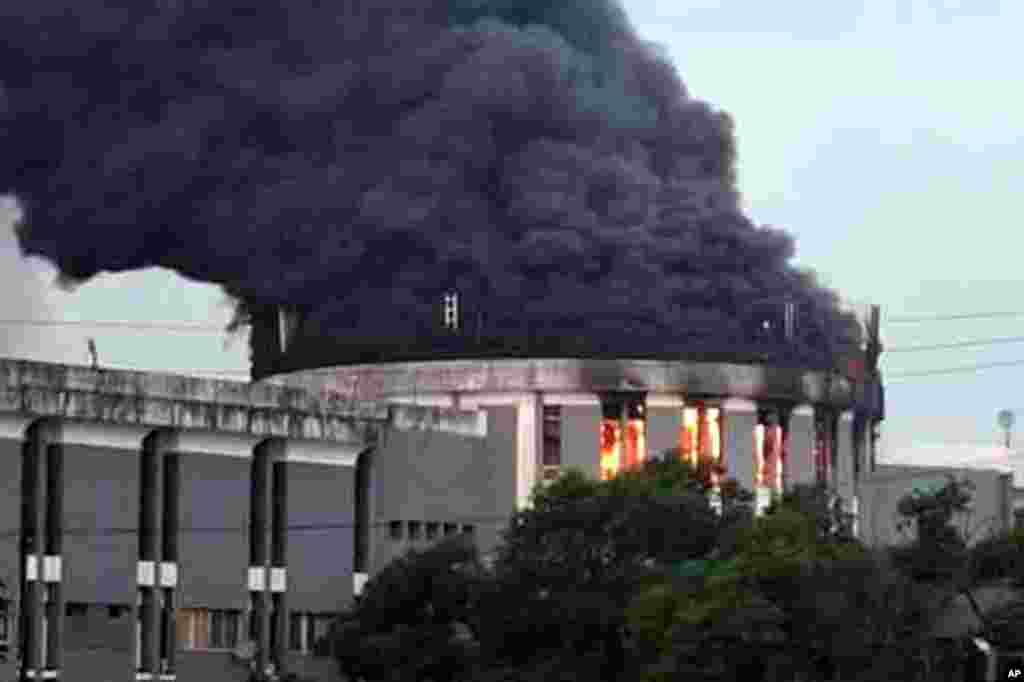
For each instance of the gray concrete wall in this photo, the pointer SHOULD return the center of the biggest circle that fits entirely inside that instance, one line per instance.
(882, 491)
(100, 552)
(96, 629)
(91, 665)
(320, 559)
(214, 540)
(10, 517)
(663, 427)
(428, 475)
(581, 438)
(101, 501)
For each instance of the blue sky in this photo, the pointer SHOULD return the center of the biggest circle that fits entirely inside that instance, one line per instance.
(886, 136)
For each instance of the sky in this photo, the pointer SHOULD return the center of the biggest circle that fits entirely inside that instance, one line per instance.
(886, 136)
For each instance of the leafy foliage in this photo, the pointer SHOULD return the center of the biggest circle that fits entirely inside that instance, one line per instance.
(637, 578)
(405, 624)
(938, 553)
(803, 598)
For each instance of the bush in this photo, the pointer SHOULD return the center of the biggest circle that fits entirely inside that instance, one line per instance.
(998, 558)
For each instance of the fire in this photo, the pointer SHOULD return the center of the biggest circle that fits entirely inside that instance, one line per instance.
(611, 448)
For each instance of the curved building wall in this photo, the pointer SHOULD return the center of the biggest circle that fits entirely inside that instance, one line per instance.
(531, 418)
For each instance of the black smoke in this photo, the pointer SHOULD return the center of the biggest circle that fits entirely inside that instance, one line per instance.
(359, 158)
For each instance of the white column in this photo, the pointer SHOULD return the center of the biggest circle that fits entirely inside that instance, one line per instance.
(800, 446)
(740, 419)
(529, 442)
(845, 452)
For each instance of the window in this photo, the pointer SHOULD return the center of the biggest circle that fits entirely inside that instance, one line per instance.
(306, 629)
(5, 629)
(415, 530)
(297, 632)
(450, 311)
(468, 529)
(432, 530)
(450, 529)
(1018, 518)
(223, 629)
(75, 608)
(320, 624)
(116, 611)
(396, 530)
(551, 459)
(200, 629)
(623, 436)
(700, 441)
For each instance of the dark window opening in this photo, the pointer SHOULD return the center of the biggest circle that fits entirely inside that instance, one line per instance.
(115, 611)
(415, 530)
(74, 608)
(450, 529)
(396, 530)
(432, 528)
(295, 625)
(468, 529)
(552, 456)
(223, 629)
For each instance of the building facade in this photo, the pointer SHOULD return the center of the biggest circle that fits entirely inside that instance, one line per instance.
(472, 438)
(996, 506)
(162, 527)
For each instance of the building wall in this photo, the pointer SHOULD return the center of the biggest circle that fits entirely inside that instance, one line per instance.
(881, 492)
(428, 475)
(101, 498)
(214, 518)
(10, 513)
(320, 559)
(101, 489)
(581, 438)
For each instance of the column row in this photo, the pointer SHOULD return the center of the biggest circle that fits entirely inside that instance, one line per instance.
(765, 448)
(42, 609)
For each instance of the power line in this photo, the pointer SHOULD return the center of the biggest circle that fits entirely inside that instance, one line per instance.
(957, 344)
(944, 318)
(116, 324)
(955, 370)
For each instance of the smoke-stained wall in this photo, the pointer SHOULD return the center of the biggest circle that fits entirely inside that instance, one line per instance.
(358, 159)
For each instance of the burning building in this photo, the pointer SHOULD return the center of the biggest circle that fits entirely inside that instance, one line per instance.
(495, 428)
(508, 221)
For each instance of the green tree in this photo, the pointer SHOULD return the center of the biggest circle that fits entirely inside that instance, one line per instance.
(801, 600)
(570, 563)
(938, 552)
(407, 624)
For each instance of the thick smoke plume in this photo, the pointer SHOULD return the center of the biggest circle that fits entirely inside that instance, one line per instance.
(358, 159)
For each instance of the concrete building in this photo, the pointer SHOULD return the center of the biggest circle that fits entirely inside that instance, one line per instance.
(502, 426)
(153, 524)
(997, 505)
